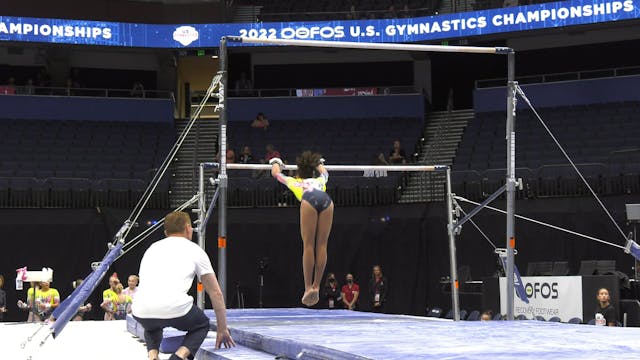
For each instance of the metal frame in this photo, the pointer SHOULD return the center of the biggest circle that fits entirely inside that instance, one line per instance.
(220, 81)
(510, 138)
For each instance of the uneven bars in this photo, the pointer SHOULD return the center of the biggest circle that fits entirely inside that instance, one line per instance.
(345, 167)
(374, 46)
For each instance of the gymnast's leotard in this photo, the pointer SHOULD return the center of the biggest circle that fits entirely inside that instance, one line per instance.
(311, 190)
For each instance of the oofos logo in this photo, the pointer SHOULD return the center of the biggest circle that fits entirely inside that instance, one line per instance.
(544, 290)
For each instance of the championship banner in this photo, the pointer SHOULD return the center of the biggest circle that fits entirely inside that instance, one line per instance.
(548, 296)
(404, 30)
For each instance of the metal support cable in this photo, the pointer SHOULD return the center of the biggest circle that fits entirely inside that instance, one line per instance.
(544, 224)
(147, 232)
(474, 224)
(477, 209)
(524, 97)
(144, 199)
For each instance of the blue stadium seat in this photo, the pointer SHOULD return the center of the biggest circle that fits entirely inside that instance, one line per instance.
(575, 320)
(474, 316)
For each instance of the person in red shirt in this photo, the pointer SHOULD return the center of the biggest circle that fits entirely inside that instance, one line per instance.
(260, 122)
(350, 292)
(271, 153)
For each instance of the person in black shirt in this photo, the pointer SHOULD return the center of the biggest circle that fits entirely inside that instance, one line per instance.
(605, 312)
(331, 292)
(378, 289)
(397, 156)
(245, 156)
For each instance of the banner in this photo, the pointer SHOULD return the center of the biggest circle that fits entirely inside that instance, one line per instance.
(548, 296)
(362, 91)
(445, 26)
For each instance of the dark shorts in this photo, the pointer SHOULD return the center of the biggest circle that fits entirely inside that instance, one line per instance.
(320, 200)
(195, 323)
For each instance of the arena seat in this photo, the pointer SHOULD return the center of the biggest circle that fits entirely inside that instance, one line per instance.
(610, 163)
(63, 157)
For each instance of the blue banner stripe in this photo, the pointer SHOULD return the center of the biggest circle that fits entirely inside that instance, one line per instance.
(438, 27)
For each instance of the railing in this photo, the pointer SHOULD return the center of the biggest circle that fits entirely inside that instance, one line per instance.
(559, 77)
(89, 92)
(553, 180)
(292, 92)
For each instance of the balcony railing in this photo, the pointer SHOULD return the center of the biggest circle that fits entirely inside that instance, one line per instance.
(89, 92)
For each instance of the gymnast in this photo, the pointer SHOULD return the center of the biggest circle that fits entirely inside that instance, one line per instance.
(316, 217)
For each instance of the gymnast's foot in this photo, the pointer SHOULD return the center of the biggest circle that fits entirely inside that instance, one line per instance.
(311, 297)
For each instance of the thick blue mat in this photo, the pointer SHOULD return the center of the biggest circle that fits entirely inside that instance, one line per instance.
(342, 334)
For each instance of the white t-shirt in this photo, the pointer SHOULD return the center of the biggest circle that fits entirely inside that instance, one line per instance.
(166, 274)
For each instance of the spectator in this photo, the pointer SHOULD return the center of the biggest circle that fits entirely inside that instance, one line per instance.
(391, 12)
(378, 289)
(231, 155)
(487, 315)
(380, 160)
(405, 13)
(132, 287)
(31, 298)
(605, 312)
(244, 87)
(110, 297)
(245, 156)
(29, 89)
(397, 155)
(353, 14)
(510, 3)
(138, 89)
(76, 79)
(349, 293)
(271, 153)
(450, 100)
(46, 300)
(69, 86)
(122, 306)
(43, 81)
(9, 88)
(260, 122)
(167, 270)
(331, 293)
(82, 310)
(3, 299)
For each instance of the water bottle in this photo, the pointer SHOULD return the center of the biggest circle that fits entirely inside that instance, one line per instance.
(600, 320)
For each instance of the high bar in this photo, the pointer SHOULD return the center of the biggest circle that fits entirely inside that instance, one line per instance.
(345, 167)
(374, 46)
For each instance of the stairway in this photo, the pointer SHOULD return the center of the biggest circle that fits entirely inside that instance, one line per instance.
(441, 138)
(199, 146)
